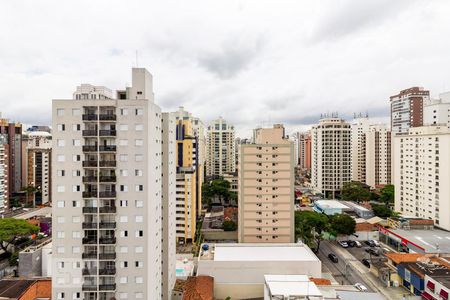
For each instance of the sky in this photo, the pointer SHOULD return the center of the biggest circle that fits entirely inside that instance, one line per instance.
(253, 62)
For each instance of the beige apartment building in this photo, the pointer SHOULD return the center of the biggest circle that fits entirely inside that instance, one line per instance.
(360, 127)
(220, 148)
(422, 176)
(266, 188)
(109, 195)
(378, 156)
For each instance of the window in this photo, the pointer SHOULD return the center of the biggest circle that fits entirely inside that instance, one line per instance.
(139, 111)
(139, 280)
(123, 249)
(124, 111)
(61, 127)
(61, 188)
(76, 203)
(60, 249)
(139, 233)
(60, 143)
(123, 127)
(123, 203)
(60, 204)
(123, 219)
(60, 220)
(123, 188)
(76, 112)
(60, 234)
(61, 173)
(123, 142)
(76, 188)
(123, 295)
(139, 249)
(139, 127)
(124, 264)
(76, 143)
(139, 219)
(139, 295)
(139, 264)
(76, 265)
(76, 157)
(75, 249)
(76, 295)
(76, 173)
(75, 219)
(139, 188)
(61, 295)
(123, 233)
(139, 203)
(76, 234)
(60, 112)
(139, 142)
(139, 157)
(61, 158)
(124, 279)
(137, 172)
(123, 157)
(123, 173)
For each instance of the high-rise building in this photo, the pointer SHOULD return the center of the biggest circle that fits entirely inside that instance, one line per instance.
(421, 176)
(220, 148)
(168, 205)
(360, 127)
(295, 138)
(407, 109)
(107, 193)
(266, 188)
(330, 156)
(305, 151)
(189, 163)
(378, 156)
(437, 111)
(3, 178)
(11, 134)
(38, 163)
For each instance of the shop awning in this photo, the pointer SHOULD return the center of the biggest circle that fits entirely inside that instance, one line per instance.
(443, 294)
(427, 296)
(430, 285)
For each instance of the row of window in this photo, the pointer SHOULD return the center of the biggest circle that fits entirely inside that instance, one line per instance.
(122, 157)
(77, 111)
(77, 219)
(77, 249)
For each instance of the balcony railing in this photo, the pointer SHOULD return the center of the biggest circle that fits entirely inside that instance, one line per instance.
(101, 117)
(89, 255)
(107, 240)
(102, 178)
(89, 240)
(89, 148)
(107, 225)
(107, 256)
(109, 148)
(89, 225)
(89, 287)
(93, 194)
(89, 210)
(107, 287)
(89, 133)
(88, 271)
(107, 133)
(108, 209)
(109, 271)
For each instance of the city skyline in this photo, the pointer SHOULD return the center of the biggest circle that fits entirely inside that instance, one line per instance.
(280, 70)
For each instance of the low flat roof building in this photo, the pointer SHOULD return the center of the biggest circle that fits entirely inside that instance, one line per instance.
(239, 269)
(290, 287)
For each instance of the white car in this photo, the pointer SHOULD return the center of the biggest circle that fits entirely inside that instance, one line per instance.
(343, 244)
(377, 243)
(361, 287)
(358, 244)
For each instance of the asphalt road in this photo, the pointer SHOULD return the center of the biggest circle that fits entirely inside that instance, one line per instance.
(343, 271)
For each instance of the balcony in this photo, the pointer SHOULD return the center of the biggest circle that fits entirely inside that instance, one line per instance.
(89, 117)
(89, 210)
(90, 163)
(107, 240)
(107, 225)
(111, 271)
(108, 209)
(107, 133)
(87, 271)
(89, 255)
(89, 225)
(89, 133)
(101, 117)
(89, 148)
(93, 194)
(89, 287)
(107, 287)
(107, 256)
(89, 240)
(109, 148)
(102, 178)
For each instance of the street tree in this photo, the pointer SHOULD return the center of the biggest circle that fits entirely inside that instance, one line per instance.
(355, 191)
(342, 224)
(12, 230)
(309, 226)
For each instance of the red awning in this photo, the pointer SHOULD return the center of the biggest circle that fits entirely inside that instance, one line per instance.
(430, 285)
(427, 296)
(443, 294)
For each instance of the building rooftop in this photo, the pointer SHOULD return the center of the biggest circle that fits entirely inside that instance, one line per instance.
(403, 257)
(199, 288)
(431, 269)
(258, 252)
(349, 295)
(291, 285)
(330, 204)
(433, 241)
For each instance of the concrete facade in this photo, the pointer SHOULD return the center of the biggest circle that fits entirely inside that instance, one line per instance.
(220, 148)
(266, 188)
(378, 156)
(437, 111)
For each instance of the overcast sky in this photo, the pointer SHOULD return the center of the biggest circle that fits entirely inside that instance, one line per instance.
(252, 62)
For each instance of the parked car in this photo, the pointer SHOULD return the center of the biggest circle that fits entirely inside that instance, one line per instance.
(372, 251)
(361, 287)
(343, 244)
(376, 243)
(366, 262)
(358, 244)
(333, 258)
(370, 243)
(351, 243)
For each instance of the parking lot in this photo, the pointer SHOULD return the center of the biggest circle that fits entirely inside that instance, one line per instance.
(361, 253)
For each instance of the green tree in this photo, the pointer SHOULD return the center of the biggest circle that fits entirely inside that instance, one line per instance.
(229, 225)
(381, 211)
(13, 230)
(309, 226)
(387, 194)
(217, 188)
(355, 191)
(342, 224)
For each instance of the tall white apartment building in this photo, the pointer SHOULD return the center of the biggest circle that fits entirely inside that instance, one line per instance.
(168, 205)
(422, 177)
(220, 148)
(330, 156)
(107, 194)
(3, 178)
(38, 165)
(437, 111)
(378, 156)
(295, 138)
(360, 127)
(266, 188)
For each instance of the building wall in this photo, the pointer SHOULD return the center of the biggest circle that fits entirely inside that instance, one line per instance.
(358, 137)
(437, 112)
(378, 156)
(266, 195)
(168, 205)
(331, 156)
(421, 179)
(3, 178)
(220, 148)
(131, 203)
